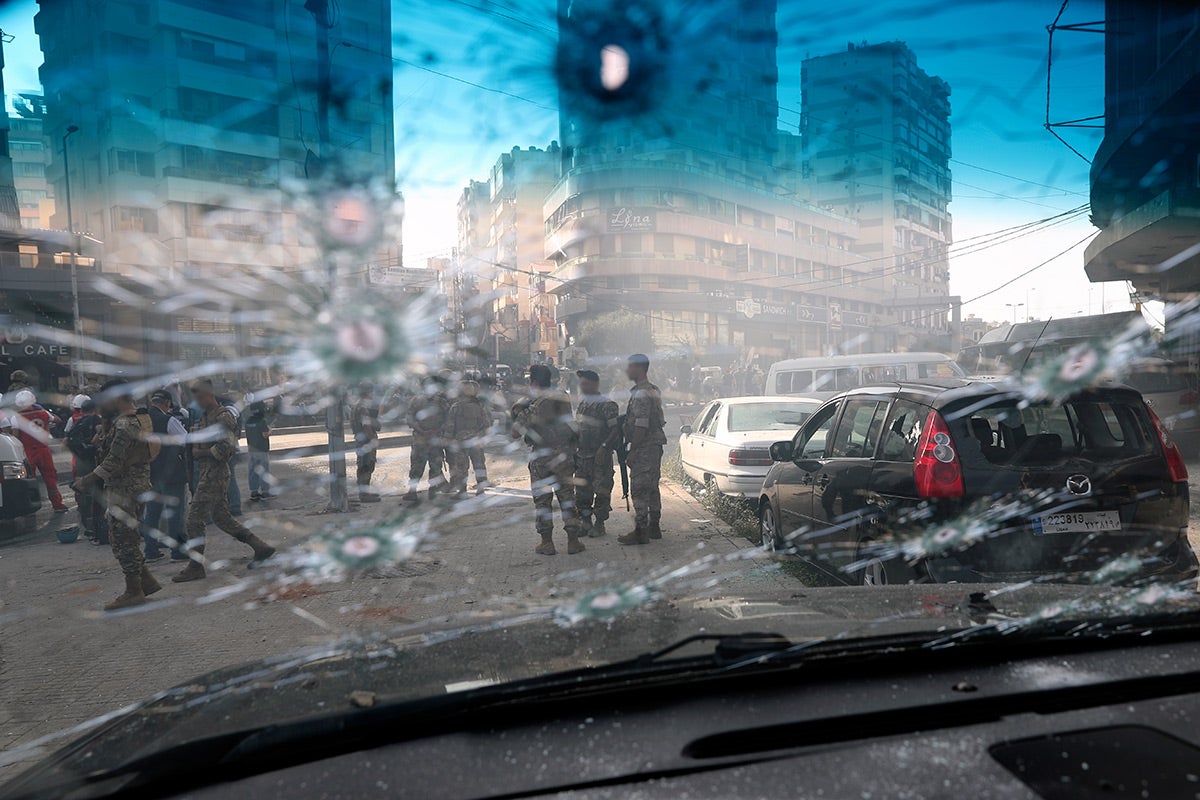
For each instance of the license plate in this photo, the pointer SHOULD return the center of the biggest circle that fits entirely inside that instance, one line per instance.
(1077, 522)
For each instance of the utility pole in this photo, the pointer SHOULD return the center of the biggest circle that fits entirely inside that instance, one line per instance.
(335, 423)
(77, 323)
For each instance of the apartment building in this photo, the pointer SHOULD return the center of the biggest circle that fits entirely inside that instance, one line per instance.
(197, 121)
(875, 132)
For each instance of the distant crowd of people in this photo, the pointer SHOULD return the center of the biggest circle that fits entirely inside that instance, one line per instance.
(134, 465)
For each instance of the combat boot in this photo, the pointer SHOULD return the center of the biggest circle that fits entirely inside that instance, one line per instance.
(654, 532)
(194, 571)
(262, 550)
(546, 548)
(597, 529)
(635, 536)
(585, 526)
(133, 595)
(573, 544)
(410, 497)
(149, 584)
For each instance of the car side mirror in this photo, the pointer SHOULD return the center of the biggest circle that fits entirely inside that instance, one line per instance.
(781, 451)
(686, 430)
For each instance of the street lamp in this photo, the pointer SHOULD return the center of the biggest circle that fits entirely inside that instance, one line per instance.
(1015, 307)
(77, 371)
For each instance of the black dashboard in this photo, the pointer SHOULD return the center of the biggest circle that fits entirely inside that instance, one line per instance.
(1110, 722)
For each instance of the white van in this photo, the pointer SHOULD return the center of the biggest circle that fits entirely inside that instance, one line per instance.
(823, 377)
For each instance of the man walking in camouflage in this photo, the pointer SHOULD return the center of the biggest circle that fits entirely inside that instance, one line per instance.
(545, 423)
(125, 470)
(215, 443)
(644, 423)
(426, 417)
(364, 424)
(599, 433)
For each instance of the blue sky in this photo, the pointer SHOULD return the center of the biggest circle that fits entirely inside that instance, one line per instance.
(1007, 168)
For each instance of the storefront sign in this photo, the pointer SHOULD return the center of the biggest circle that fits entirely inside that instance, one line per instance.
(854, 319)
(811, 314)
(630, 220)
(33, 350)
(762, 308)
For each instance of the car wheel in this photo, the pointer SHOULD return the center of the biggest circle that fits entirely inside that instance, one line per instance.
(883, 571)
(768, 531)
(710, 485)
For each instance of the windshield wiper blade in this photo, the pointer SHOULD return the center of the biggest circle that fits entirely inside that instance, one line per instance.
(730, 647)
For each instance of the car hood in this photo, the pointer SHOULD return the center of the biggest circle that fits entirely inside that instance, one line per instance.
(342, 675)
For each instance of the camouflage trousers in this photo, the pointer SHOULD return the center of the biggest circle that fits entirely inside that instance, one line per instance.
(594, 484)
(124, 532)
(462, 457)
(368, 455)
(645, 472)
(211, 500)
(551, 476)
(425, 452)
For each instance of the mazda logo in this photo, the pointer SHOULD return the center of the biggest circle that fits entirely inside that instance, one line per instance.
(1079, 484)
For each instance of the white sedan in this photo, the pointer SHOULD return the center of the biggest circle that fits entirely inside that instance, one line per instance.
(726, 446)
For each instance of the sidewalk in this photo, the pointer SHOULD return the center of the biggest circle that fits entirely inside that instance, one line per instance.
(62, 662)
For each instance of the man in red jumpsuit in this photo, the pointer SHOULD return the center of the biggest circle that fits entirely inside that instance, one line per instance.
(33, 429)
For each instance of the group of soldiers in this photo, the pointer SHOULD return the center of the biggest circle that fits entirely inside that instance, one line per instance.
(126, 449)
(450, 432)
(572, 454)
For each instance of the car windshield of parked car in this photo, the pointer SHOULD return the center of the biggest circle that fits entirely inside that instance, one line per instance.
(768, 416)
(353, 353)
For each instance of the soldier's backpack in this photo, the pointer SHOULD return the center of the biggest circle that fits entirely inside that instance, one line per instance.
(81, 436)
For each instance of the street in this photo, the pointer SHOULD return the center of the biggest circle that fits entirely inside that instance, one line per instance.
(63, 662)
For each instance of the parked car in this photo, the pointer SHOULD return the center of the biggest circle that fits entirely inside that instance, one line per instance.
(1170, 389)
(19, 492)
(1010, 490)
(824, 377)
(727, 447)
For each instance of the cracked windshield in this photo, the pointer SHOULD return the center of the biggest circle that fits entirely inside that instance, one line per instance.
(359, 353)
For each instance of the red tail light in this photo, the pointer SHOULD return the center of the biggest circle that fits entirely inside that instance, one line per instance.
(937, 470)
(1190, 399)
(1175, 463)
(752, 457)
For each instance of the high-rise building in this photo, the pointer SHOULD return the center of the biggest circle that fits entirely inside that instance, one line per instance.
(1145, 194)
(876, 143)
(681, 201)
(197, 118)
(502, 244)
(30, 149)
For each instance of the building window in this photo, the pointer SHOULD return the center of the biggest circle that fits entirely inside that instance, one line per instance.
(137, 162)
(131, 218)
(25, 145)
(616, 282)
(664, 243)
(677, 282)
(29, 169)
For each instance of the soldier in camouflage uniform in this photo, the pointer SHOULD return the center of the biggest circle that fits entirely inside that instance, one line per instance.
(215, 443)
(644, 423)
(599, 433)
(125, 470)
(426, 416)
(545, 423)
(467, 425)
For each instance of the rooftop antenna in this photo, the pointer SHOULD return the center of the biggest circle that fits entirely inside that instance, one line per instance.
(1029, 352)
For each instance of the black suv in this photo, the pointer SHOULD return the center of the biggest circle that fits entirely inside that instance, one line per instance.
(962, 480)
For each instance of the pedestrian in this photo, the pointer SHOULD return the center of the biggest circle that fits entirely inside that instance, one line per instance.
(33, 429)
(214, 444)
(544, 420)
(84, 429)
(258, 451)
(165, 510)
(125, 470)
(467, 425)
(599, 433)
(364, 424)
(18, 381)
(644, 423)
(426, 416)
